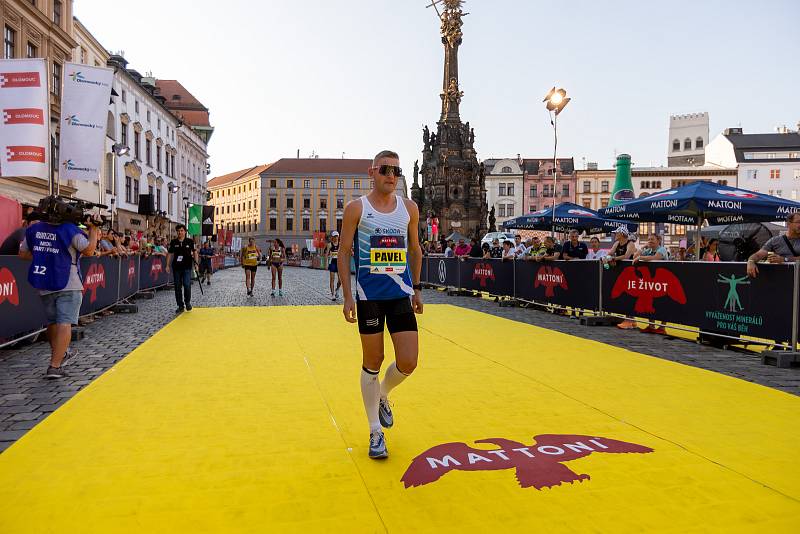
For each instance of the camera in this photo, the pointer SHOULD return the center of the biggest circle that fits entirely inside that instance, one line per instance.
(58, 210)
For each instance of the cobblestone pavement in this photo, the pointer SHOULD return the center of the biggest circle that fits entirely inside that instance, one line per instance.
(26, 397)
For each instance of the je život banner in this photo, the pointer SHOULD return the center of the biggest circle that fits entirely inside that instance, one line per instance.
(84, 111)
(24, 131)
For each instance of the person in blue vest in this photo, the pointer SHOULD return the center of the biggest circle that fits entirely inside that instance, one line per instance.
(55, 251)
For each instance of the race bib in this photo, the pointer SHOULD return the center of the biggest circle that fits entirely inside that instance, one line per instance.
(179, 259)
(387, 254)
(334, 254)
(252, 256)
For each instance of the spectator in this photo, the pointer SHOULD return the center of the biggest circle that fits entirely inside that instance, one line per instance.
(486, 251)
(690, 252)
(437, 247)
(653, 251)
(711, 250)
(496, 251)
(159, 249)
(104, 246)
(622, 249)
(519, 247)
(552, 250)
(475, 249)
(536, 249)
(508, 250)
(206, 254)
(10, 246)
(462, 249)
(574, 249)
(449, 252)
(779, 249)
(595, 253)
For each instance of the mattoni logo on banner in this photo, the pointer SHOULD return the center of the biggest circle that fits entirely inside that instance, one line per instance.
(9, 292)
(550, 278)
(95, 277)
(540, 465)
(131, 272)
(483, 272)
(155, 269)
(639, 283)
(23, 116)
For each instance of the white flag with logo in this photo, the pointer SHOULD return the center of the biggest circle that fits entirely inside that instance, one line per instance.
(24, 132)
(84, 110)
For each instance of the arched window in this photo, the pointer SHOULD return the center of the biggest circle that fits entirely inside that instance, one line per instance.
(507, 169)
(698, 143)
(676, 145)
(687, 144)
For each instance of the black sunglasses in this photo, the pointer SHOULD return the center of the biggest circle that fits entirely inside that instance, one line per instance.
(385, 169)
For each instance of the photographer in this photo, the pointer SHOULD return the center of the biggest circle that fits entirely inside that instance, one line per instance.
(181, 254)
(55, 250)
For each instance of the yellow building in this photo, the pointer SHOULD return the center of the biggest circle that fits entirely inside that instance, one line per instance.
(594, 187)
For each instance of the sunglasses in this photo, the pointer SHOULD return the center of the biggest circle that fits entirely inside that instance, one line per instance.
(386, 169)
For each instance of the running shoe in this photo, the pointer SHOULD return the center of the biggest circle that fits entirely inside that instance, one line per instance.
(58, 372)
(280, 292)
(272, 293)
(179, 310)
(377, 446)
(68, 355)
(385, 413)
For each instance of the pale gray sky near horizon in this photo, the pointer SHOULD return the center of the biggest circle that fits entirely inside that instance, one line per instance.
(357, 76)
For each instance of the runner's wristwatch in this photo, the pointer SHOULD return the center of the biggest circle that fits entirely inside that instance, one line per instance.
(417, 286)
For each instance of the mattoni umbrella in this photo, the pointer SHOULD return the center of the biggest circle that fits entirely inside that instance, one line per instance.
(568, 216)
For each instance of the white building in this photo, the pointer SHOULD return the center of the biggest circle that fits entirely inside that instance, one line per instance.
(766, 163)
(688, 137)
(504, 179)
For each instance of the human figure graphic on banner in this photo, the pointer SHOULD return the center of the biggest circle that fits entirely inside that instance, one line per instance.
(733, 294)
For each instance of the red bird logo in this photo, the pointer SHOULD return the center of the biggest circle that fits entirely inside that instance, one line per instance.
(550, 278)
(131, 272)
(482, 272)
(155, 269)
(646, 288)
(8, 287)
(95, 276)
(540, 465)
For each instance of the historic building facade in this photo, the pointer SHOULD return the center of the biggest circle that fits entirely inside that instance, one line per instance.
(593, 186)
(540, 189)
(688, 137)
(453, 187)
(504, 180)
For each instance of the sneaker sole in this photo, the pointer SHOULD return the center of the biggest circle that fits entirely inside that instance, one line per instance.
(381, 456)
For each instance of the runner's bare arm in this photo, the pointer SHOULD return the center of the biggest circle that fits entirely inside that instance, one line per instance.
(352, 214)
(414, 252)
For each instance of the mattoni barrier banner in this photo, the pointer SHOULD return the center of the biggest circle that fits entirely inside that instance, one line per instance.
(443, 271)
(563, 283)
(20, 306)
(494, 276)
(100, 283)
(715, 297)
(24, 130)
(129, 277)
(84, 113)
(153, 272)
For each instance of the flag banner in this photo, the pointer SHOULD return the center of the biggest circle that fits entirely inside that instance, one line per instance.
(194, 227)
(208, 220)
(229, 238)
(24, 131)
(84, 113)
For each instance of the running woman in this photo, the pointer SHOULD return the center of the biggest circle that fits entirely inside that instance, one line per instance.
(332, 250)
(388, 264)
(250, 255)
(277, 255)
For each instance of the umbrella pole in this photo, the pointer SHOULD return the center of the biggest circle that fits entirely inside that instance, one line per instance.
(697, 239)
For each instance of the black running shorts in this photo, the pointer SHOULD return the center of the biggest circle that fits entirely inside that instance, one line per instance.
(253, 268)
(396, 314)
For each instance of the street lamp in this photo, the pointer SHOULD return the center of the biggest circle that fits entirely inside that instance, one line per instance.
(555, 100)
(117, 150)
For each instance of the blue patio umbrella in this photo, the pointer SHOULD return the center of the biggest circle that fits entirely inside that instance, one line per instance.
(568, 216)
(703, 201)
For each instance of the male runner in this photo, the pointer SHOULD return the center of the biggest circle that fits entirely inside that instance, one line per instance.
(332, 250)
(385, 227)
(250, 255)
(206, 253)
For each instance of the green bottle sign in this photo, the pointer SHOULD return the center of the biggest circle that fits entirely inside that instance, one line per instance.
(623, 187)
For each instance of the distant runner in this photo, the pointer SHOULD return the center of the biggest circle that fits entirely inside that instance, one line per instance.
(277, 255)
(250, 255)
(333, 253)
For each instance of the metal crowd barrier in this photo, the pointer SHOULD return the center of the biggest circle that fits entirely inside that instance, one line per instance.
(714, 299)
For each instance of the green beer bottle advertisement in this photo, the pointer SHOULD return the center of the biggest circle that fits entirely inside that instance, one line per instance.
(623, 187)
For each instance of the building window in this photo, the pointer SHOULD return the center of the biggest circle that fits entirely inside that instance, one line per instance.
(124, 133)
(148, 146)
(698, 143)
(339, 203)
(722, 182)
(137, 145)
(159, 123)
(306, 224)
(289, 184)
(32, 51)
(676, 145)
(587, 203)
(128, 189)
(510, 190)
(273, 224)
(135, 192)
(9, 40)
(687, 144)
(356, 184)
(289, 203)
(604, 203)
(502, 211)
(148, 115)
(774, 174)
(323, 184)
(531, 209)
(587, 187)
(273, 203)
(158, 158)
(323, 203)
(289, 225)
(533, 190)
(338, 225)
(339, 184)
(507, 169)
(249, 205)
(306, 184)
(56, 89)
(306, 203)
(273, 183)
(323, 225)
(158, 199)
(136, 106)
(509, 210)
(752, 174)
(502, 191)
(604, 187)
(57, 12)
(565, 190)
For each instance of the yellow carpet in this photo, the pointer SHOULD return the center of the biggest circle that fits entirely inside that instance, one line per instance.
(251, 420)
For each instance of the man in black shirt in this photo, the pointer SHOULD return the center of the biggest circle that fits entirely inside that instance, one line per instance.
(475, 249)
(574, 249)
(181, 254)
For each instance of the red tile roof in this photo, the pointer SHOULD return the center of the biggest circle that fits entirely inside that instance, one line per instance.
(233, 176)
(182, 103)
(319, 166)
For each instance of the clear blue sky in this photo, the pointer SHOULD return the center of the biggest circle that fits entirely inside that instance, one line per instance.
(357, 76)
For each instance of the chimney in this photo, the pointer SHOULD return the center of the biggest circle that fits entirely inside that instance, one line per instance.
(298, 153)
(591, 165)
(732, 131)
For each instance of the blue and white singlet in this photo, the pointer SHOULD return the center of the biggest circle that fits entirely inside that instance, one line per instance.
(381, 250)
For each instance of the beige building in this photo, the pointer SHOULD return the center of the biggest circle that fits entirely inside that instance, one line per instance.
(291, 198)
(593, 187)
(32, 29)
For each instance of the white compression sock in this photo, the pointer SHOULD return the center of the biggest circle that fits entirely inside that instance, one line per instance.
(391, 380)
(370, 392)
